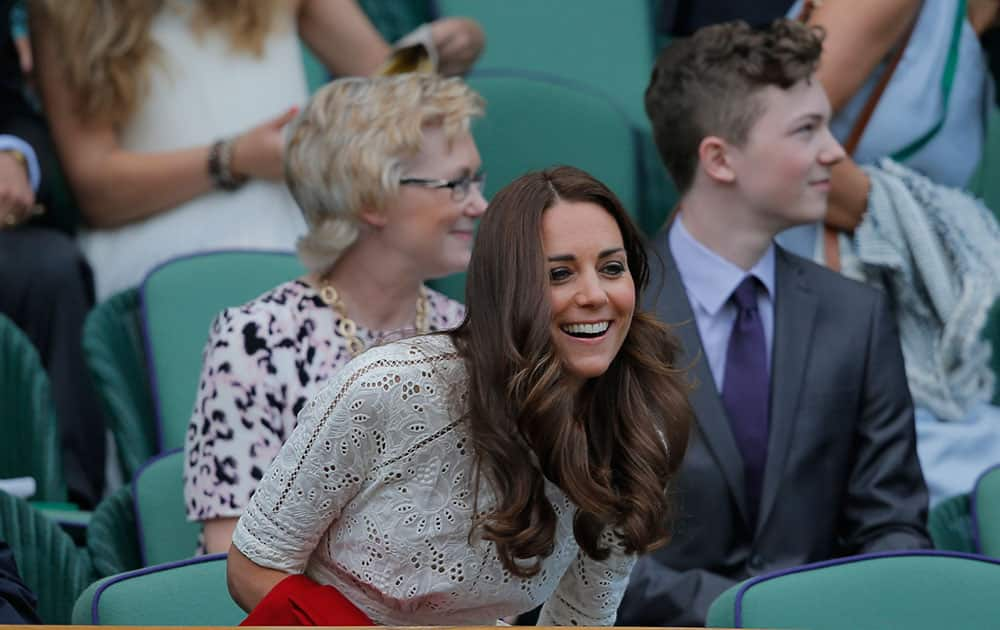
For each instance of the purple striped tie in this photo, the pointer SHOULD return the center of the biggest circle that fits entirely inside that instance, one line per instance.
(745, 389)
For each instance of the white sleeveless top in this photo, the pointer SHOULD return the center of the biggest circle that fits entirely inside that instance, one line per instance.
(201, 90)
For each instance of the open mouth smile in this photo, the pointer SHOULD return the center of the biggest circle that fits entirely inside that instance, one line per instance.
(586, 331)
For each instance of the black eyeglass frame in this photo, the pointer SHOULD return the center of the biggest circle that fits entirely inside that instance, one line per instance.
(460, 187)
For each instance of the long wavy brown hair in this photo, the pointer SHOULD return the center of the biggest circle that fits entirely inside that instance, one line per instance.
(108, 49)
(611, 445)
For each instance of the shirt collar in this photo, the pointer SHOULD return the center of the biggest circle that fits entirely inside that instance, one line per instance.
(709, 278)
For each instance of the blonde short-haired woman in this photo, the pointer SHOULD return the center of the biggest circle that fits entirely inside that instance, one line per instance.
(387, 176)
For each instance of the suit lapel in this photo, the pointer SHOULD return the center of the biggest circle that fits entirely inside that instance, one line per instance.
(668, 299)
(794, 318)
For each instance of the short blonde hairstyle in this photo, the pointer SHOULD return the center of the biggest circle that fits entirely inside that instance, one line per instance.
(346, 150)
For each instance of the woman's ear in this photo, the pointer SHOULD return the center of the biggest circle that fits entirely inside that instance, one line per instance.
(373, 217)
(714, 158)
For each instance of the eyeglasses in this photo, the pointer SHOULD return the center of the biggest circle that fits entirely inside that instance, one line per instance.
(459, 187)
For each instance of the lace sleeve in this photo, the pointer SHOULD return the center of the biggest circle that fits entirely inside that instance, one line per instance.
(590, 591)
(321, 467)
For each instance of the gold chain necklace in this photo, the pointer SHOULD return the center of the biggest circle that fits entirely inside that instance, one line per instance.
(348, 329)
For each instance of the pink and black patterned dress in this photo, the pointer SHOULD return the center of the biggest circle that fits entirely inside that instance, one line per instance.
(262, 362)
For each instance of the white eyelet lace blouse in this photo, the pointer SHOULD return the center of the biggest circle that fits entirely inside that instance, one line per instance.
(372, 494)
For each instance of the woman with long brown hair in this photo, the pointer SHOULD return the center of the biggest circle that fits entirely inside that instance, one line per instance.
(169, 116)
(521, 459)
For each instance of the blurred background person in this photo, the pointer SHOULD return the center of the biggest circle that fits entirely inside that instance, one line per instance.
(169, 115)
(45, 284)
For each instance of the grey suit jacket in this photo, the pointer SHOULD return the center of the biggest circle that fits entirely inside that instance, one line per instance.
(841, 476)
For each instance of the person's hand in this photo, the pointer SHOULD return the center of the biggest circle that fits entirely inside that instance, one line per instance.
(17, 199)
(459, 41)
(259, 152)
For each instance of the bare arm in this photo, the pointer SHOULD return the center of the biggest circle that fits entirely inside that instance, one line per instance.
(856, 41)
(342, 37)
(218, 534)
(345, 41)
(115, 186)
(248, 581)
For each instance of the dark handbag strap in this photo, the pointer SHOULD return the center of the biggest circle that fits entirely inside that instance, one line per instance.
(831, 248)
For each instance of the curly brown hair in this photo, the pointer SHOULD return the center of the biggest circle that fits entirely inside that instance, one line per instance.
(708, 85)
(612, 445)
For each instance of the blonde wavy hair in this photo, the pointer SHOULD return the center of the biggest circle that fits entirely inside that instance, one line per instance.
(347, 150)
(109, 48)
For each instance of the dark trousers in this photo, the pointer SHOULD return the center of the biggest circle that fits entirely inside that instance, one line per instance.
(46, 289)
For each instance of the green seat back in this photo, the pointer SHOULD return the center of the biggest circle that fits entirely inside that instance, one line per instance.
(112, 536)
(918, 590)
(30, 446)
(986, 185)
(316, 74)
(605, 45)
(991, 332)
(51, 565)
(950, 525)
(533, 122)
(179, 301)
(165, 535)
(986, 512)
(188, 593)
(116, 359)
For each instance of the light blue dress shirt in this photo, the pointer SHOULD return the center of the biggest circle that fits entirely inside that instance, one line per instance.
(710, 280)
(8, 142)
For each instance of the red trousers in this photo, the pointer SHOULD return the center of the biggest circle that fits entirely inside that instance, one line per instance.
(298, 601)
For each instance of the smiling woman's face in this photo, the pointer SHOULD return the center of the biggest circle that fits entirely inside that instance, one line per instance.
(590, 288)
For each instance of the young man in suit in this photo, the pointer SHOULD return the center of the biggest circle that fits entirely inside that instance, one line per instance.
(804, 447)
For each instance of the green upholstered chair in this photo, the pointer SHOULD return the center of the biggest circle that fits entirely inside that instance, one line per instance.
(188, 593)
(534, 121)
(50, 563)
(116, 359)
(165, 535)
(608, 46)
(985, 509)
(950, 525)
(986, 185)
(112, 534)
(180, 299)
(917, 590)
(30, 446)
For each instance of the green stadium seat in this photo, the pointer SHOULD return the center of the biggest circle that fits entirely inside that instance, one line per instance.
(30, 446)
(165, 535)
(188, 593)
(180, 299)
(950, 525)
(985, 509)
(50, 563)
(112, 536)
(608, 46)
(116, 359)
(916, 590)
(534, 121)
